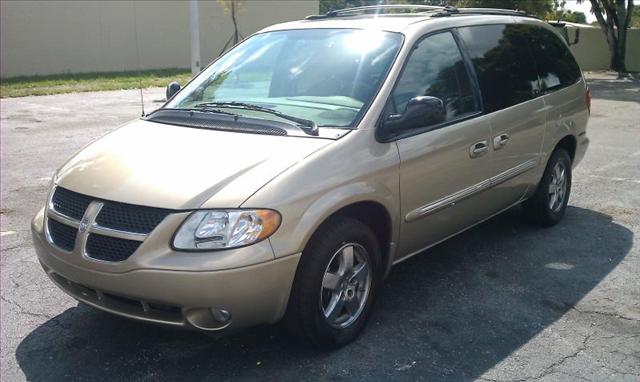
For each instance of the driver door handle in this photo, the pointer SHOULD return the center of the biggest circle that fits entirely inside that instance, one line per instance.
(478, 149)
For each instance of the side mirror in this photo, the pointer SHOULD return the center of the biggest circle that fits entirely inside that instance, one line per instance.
(172, 89)
(421, 111)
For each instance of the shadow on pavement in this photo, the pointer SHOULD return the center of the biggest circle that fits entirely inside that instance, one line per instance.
(626, 89)
(452, 313)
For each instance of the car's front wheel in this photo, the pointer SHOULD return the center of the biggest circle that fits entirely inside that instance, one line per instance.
(335, 284)
(547, 206)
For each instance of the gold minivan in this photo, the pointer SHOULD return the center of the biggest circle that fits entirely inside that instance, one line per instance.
(287, 178)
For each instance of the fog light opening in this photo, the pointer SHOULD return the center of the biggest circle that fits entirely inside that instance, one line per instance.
(208, 318)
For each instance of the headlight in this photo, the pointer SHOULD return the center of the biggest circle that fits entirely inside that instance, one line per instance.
(222, 229)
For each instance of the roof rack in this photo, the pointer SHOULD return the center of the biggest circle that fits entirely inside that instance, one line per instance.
(483, 11)
(378, 9)
(435, 11)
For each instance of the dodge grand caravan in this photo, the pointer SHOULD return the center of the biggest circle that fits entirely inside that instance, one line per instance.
(287, 178)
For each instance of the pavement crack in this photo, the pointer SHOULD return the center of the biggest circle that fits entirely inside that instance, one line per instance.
(25, 311)
(10, 248)
(552, 368)
(601, 313)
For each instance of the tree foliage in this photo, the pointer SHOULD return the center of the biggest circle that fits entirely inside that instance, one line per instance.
(635, 17)
(567, 15)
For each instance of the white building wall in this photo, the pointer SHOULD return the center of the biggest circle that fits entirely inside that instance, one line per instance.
(51, 37)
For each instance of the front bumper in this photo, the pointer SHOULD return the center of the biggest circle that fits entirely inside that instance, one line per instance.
(252, 295)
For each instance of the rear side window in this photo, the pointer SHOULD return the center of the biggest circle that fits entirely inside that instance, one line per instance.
(556, 65)
(504, 63)
(436, 68)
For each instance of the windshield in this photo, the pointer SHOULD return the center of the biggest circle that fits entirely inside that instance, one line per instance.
(327, 76)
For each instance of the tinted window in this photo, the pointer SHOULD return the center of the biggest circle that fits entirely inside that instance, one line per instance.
(503, 62)
(436, 68)
(556, 65)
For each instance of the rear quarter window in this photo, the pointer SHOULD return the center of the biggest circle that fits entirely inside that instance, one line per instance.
(556, 66)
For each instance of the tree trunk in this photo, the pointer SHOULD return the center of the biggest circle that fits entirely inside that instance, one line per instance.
(618, 56)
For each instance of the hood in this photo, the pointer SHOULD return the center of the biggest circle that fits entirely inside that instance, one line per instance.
(158, 165)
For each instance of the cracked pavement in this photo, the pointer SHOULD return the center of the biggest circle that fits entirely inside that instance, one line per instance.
(504, 301)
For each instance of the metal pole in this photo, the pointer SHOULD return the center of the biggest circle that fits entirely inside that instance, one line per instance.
(195, 37)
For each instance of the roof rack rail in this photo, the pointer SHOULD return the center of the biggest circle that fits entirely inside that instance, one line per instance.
(483, 11)
(437, 11)
(377, 9)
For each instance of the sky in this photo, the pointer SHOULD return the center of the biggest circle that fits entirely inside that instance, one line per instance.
(585, 7)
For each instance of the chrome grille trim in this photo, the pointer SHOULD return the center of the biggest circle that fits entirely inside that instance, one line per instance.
(55, 215)
(104, 231)
(86, 226)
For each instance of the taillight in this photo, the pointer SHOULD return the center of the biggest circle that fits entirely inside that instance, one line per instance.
(587, 99)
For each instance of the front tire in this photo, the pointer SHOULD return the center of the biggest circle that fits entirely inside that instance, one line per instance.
(548, 205)
(335, 284)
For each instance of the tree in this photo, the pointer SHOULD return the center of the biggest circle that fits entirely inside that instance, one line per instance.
(635, 18)
(231, 6)
(579, 17)
(564, 15)
(614, 18)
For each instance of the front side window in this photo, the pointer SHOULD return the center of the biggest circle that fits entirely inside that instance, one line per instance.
(556, 65)
(327, 76)
(436, 68)
(506, 69)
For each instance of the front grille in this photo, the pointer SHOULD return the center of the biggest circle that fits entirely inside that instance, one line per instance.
(107, 248)
(130, 218)
(62, 235)
(70, 203)
(100, 245)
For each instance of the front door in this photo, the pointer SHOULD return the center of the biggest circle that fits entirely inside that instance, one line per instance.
(444, 169)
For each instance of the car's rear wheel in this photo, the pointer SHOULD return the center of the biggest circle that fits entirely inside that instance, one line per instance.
(335, 284)
(548, 204)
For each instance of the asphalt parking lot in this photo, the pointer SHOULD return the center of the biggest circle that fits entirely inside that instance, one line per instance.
(504, 301)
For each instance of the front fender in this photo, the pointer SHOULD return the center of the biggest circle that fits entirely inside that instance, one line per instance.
(294, 237)
(329, 180)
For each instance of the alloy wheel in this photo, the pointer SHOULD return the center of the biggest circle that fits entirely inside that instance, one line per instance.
(557, 187)
(346, 285)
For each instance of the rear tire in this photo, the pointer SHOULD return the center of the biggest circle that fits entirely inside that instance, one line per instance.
(548, 205)
(335, 284)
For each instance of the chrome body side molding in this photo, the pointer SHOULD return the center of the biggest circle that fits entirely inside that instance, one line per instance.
(451, 200)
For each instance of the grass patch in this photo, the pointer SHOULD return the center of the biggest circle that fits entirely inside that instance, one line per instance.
(88, 82)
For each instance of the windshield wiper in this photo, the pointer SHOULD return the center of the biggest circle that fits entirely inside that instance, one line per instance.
(308, 126)
(199, 109)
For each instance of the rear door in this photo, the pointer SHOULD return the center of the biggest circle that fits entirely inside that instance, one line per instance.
(444, 167)
(508, 78)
